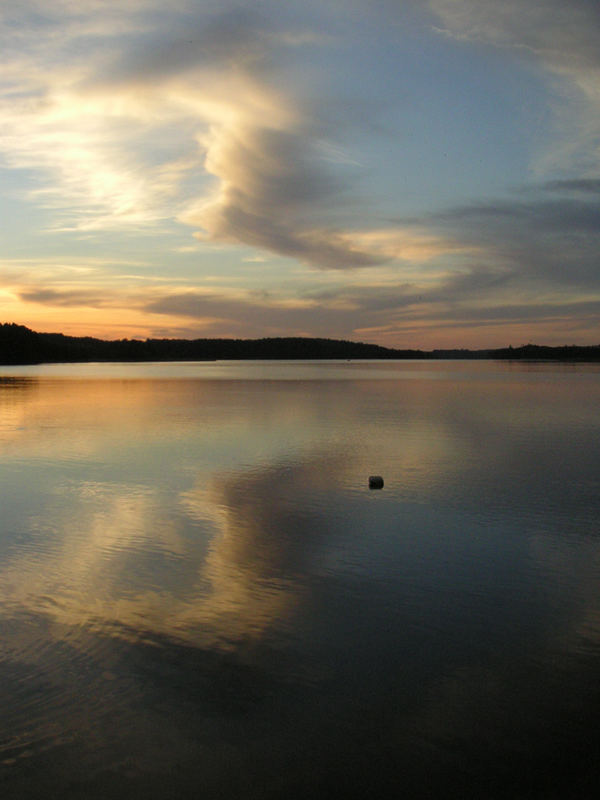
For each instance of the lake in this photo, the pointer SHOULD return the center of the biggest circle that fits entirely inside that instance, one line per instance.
(202, 597)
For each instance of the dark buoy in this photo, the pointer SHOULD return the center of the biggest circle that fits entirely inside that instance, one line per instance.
(375, 482)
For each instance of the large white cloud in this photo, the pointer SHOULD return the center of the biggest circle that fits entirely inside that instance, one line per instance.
(117, 120)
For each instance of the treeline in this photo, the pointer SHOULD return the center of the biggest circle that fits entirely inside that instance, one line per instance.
(20, 345)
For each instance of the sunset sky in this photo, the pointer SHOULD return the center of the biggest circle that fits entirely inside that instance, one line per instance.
(411, 173)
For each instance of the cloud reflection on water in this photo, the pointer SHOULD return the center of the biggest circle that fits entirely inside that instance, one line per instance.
(229, 557)
(221, 551)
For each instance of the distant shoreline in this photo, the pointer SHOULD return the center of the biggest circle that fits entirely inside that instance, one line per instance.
(19, 346)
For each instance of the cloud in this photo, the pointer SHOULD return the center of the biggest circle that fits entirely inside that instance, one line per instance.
(65, 297)
(113, 153)
(579, 185)
(188, 117)
(118, 129)
(270, 185)
(559, 33)
(550, 234)
(563, 38)
(256, 314)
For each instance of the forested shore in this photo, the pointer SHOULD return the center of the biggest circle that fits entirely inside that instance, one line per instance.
(20, 345)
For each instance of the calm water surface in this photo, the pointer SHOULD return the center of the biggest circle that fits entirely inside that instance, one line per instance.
(201, 597)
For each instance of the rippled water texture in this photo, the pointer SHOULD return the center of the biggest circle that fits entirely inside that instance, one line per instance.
(201, 596)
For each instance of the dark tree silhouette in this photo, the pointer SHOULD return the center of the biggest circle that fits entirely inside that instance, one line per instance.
(20, 345)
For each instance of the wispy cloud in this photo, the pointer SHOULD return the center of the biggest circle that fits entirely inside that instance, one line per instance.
(549, 235)
(73, 297)
(97, 128)
(563, 38)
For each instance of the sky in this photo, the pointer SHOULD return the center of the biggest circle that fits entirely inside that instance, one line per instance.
(412, 173)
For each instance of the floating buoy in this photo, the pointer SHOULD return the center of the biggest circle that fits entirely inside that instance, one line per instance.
(375, 482)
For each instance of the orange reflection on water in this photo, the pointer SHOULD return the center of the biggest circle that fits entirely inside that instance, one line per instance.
(198, 518)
